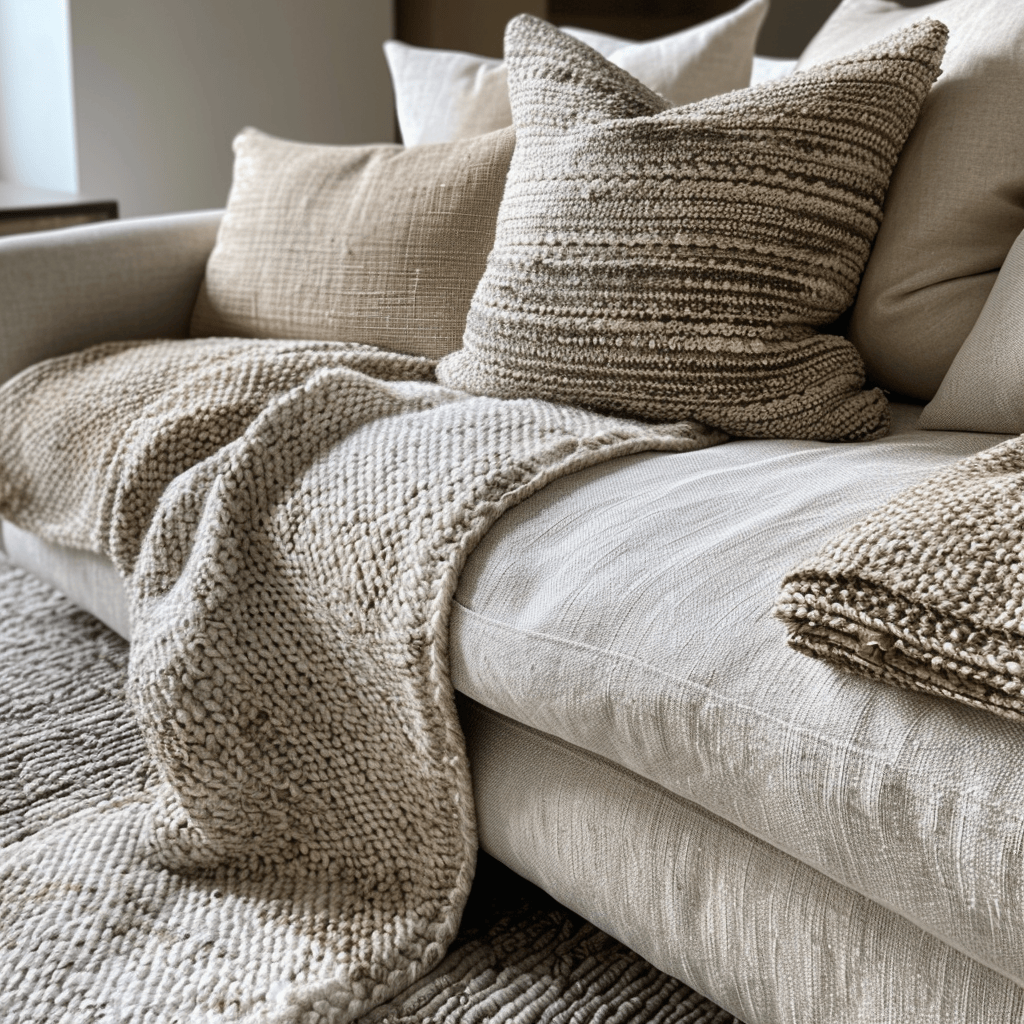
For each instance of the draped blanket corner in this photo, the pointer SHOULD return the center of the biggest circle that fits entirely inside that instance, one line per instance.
(290, 519)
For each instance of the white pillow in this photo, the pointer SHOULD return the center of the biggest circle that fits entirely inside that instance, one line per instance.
(443, 95)
(768, 69)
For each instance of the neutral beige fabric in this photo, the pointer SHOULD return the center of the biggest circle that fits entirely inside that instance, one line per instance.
(290, 518)
(763, 935)
(638, 626)
(628, 610)
(443, 95)
(64, 290)
(558, 814)
(88, 578)
(375, 245)
(956, 201)
(984, 388)
(668, 263)
(926, 592)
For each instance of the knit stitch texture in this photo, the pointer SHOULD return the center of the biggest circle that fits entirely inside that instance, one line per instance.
(926, 593)
(290, 519)
(668, 263)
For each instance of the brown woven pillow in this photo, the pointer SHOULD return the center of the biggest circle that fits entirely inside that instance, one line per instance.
(372, 244)
(675, 263)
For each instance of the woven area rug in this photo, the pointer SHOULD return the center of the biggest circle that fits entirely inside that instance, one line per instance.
(68, 741)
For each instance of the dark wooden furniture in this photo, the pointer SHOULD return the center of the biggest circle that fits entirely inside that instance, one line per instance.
(477, 27)
(39, 209)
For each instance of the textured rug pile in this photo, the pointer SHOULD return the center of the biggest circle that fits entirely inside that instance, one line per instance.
(296, 841)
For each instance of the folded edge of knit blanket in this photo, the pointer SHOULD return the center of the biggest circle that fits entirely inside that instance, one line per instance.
(927, 592)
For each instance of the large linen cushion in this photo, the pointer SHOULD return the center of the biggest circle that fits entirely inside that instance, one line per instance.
(627, 610)
(443, 95)
(372, 244)
(758, 931)
(955, 205)
(650, 867)
(984, 388)
(673, 263)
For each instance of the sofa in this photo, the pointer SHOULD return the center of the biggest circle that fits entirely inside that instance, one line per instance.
(796, 841)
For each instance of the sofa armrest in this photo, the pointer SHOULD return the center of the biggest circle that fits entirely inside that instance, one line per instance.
(115, 281)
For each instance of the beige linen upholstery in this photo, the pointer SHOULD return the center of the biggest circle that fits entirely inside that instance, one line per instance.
(672, 263)
(785, 943)
(378, 245)
(766, 937)
(620, 610)
(63, 290)
(90, 580)
(628, 611)
(956, 200)
(443, 95)
(984, 388)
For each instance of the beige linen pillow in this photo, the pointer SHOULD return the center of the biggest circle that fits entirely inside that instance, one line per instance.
(674, 263)
(984, 388)
(372, 244)
(956, 201)
(441, 95)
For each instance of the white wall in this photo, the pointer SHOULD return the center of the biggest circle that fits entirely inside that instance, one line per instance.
(162, 87)
(37, 137)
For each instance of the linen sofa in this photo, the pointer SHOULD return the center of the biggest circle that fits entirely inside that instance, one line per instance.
(796, 842)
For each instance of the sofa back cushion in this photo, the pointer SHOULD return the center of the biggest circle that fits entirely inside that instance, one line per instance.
(673, 263)
(956, 201)
(372, 244)
(984, 388)
(442, 95)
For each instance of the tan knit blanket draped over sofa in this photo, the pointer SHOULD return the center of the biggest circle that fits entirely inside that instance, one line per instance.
(290, 518)
(926, 593)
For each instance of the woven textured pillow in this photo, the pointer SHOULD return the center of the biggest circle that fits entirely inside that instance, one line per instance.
(956, 202)
(676, 263)
(442, 95)
(371, 244)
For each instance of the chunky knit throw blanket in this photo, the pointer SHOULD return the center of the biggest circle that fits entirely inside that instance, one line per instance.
(290, 518)
(926, 593)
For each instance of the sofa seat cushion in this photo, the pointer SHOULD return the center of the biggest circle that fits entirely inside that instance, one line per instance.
(628, 610)
(89, 579)
(762, 934)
